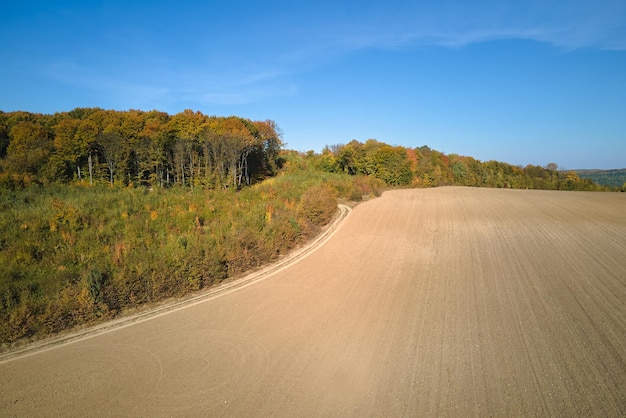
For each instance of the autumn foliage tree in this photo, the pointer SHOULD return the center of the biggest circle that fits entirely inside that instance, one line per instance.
(400, 166)
(29, 149)
(151, 148)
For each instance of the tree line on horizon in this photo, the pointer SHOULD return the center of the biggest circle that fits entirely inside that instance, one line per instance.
(136, 147)
(400, 166)
(615, 177)
(191, 149)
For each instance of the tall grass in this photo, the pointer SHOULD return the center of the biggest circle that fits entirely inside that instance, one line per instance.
(76, 254)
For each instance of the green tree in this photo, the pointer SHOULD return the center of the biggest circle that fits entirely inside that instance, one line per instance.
(4, 134)
(29, 149)
(187, 128)
(389, 164)
(68, 149)
(152, 149)
(553, 168)
(86, 136)
(267, 145)
(327, 161)
(112, 148)
(350, 157)
(460, 171)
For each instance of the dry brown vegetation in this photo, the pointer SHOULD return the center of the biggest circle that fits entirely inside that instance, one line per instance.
(435, 302)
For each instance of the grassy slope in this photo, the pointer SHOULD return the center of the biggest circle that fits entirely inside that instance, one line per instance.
(71, 255)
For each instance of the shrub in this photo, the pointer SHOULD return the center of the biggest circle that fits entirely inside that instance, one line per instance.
(318, 204)
(74, 254)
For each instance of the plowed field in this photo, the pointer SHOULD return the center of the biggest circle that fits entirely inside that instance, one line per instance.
(439, 302)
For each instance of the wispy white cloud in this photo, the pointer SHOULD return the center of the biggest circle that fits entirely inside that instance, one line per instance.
(260, 57)
(320, 36)
(114, 90)
(166, 87)
(569, 24)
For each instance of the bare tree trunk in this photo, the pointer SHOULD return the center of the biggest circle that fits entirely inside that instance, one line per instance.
(90, 170)
(111, 168)
(191, 172)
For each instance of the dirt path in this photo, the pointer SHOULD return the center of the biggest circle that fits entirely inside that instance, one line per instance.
(148, 313)
(440, 302)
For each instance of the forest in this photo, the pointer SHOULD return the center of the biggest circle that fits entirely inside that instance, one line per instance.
(136, 147)
(193, 150)
(615, 178)
(102, 211)
(399, 166)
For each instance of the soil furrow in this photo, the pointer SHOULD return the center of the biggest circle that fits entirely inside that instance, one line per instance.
(440, 302)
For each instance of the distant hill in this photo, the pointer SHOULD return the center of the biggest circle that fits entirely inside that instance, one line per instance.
(604, 177)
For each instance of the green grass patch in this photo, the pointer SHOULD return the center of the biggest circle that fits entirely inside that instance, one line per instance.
(71, 255)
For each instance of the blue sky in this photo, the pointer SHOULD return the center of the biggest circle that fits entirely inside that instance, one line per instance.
(521, 82)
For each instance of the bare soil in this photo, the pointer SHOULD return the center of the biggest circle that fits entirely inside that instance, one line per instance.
(439, 302)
